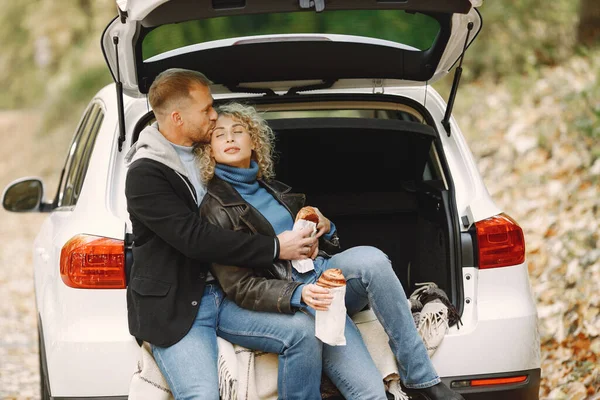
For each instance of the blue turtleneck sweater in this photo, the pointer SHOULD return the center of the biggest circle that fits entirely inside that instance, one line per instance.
(244, 181)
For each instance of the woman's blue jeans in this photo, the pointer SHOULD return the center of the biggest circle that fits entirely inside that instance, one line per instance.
(371, 280)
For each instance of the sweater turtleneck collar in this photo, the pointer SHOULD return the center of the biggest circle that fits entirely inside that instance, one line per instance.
(186, 153)
(243, 179)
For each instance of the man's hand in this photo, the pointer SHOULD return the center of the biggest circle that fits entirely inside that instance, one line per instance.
(296, 245)
(324, 224)
(316, 297)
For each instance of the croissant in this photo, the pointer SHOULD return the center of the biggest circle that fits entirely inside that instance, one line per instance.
(332, 278)
(308, 213)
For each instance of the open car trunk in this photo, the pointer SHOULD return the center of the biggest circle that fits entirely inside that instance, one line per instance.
(374, 178)
(378, 175)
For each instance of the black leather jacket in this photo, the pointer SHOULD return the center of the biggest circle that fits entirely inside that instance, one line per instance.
(264, 289)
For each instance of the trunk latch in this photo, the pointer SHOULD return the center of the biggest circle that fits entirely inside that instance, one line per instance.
(318, 5)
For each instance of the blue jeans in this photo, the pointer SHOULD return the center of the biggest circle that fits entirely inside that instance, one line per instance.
(371, 280)
(301, 354)
(190, 365)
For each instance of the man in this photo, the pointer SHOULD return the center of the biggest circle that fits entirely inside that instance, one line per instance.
(170, 297)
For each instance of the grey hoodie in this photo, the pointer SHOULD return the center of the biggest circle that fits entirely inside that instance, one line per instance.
(153, 145)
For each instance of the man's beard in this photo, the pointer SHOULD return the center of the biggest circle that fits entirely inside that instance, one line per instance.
(201, 136)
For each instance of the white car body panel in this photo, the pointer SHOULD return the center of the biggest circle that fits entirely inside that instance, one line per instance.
(498, 324)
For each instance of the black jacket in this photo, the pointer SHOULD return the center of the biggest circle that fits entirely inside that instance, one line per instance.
(268, 289)
(172, 249)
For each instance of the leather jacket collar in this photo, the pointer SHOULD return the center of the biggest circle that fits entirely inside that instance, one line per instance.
(242, 213)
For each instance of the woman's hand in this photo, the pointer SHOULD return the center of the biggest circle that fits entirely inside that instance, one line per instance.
(324, 224)
(316, 297)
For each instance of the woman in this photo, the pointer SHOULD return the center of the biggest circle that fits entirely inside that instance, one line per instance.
(237, 166)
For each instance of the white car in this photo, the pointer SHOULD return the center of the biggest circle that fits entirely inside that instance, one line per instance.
(396, 174)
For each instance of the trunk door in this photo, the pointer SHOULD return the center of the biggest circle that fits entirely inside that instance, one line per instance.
(280, 59)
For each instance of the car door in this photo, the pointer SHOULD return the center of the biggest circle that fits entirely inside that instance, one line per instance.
(48, 242)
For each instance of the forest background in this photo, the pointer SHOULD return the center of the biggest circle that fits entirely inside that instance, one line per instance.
(529, 106)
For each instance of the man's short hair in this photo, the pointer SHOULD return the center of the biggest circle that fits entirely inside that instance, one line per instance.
(172, 86)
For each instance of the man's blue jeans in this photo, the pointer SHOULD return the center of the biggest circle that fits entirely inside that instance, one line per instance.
(190, 365)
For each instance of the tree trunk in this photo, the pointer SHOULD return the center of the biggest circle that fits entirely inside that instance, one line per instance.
(588, 32)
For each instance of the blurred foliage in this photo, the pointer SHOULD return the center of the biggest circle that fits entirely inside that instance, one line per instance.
(50, 46)
(520, 36)
(66, 106)
(588, 118)
(17, 76)
(51, 55)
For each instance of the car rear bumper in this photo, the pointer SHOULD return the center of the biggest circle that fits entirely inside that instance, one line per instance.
(526, 390)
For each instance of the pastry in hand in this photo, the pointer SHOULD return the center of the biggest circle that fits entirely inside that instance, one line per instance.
(308, 213)
(332, 278)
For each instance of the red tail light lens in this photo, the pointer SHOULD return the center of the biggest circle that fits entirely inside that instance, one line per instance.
(489, 382)
(501, 242)
(498, 381)
(93, 262)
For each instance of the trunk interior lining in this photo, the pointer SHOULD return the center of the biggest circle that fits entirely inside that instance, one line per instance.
(363, 174)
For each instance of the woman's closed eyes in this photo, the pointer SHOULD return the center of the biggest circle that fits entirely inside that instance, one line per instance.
(222, 135)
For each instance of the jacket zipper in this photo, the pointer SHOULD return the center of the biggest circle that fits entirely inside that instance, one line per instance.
(189, 188)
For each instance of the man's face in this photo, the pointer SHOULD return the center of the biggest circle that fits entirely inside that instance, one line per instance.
(198, 115)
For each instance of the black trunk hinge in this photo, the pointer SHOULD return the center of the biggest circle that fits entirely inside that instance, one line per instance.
(119, 86)
(326, 84)
(122, 15)
(318, 5)
(457, 74)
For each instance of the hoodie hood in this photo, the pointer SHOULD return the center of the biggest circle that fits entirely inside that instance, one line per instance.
(153, 145)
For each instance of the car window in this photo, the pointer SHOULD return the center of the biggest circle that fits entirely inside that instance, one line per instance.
(79, 156)
(413, 29)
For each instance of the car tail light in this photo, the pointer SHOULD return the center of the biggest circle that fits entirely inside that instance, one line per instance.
(489, 382)
(501, 242)
(498, 381)
(93, 262)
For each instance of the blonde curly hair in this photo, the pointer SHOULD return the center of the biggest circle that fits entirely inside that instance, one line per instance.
(262, 136)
